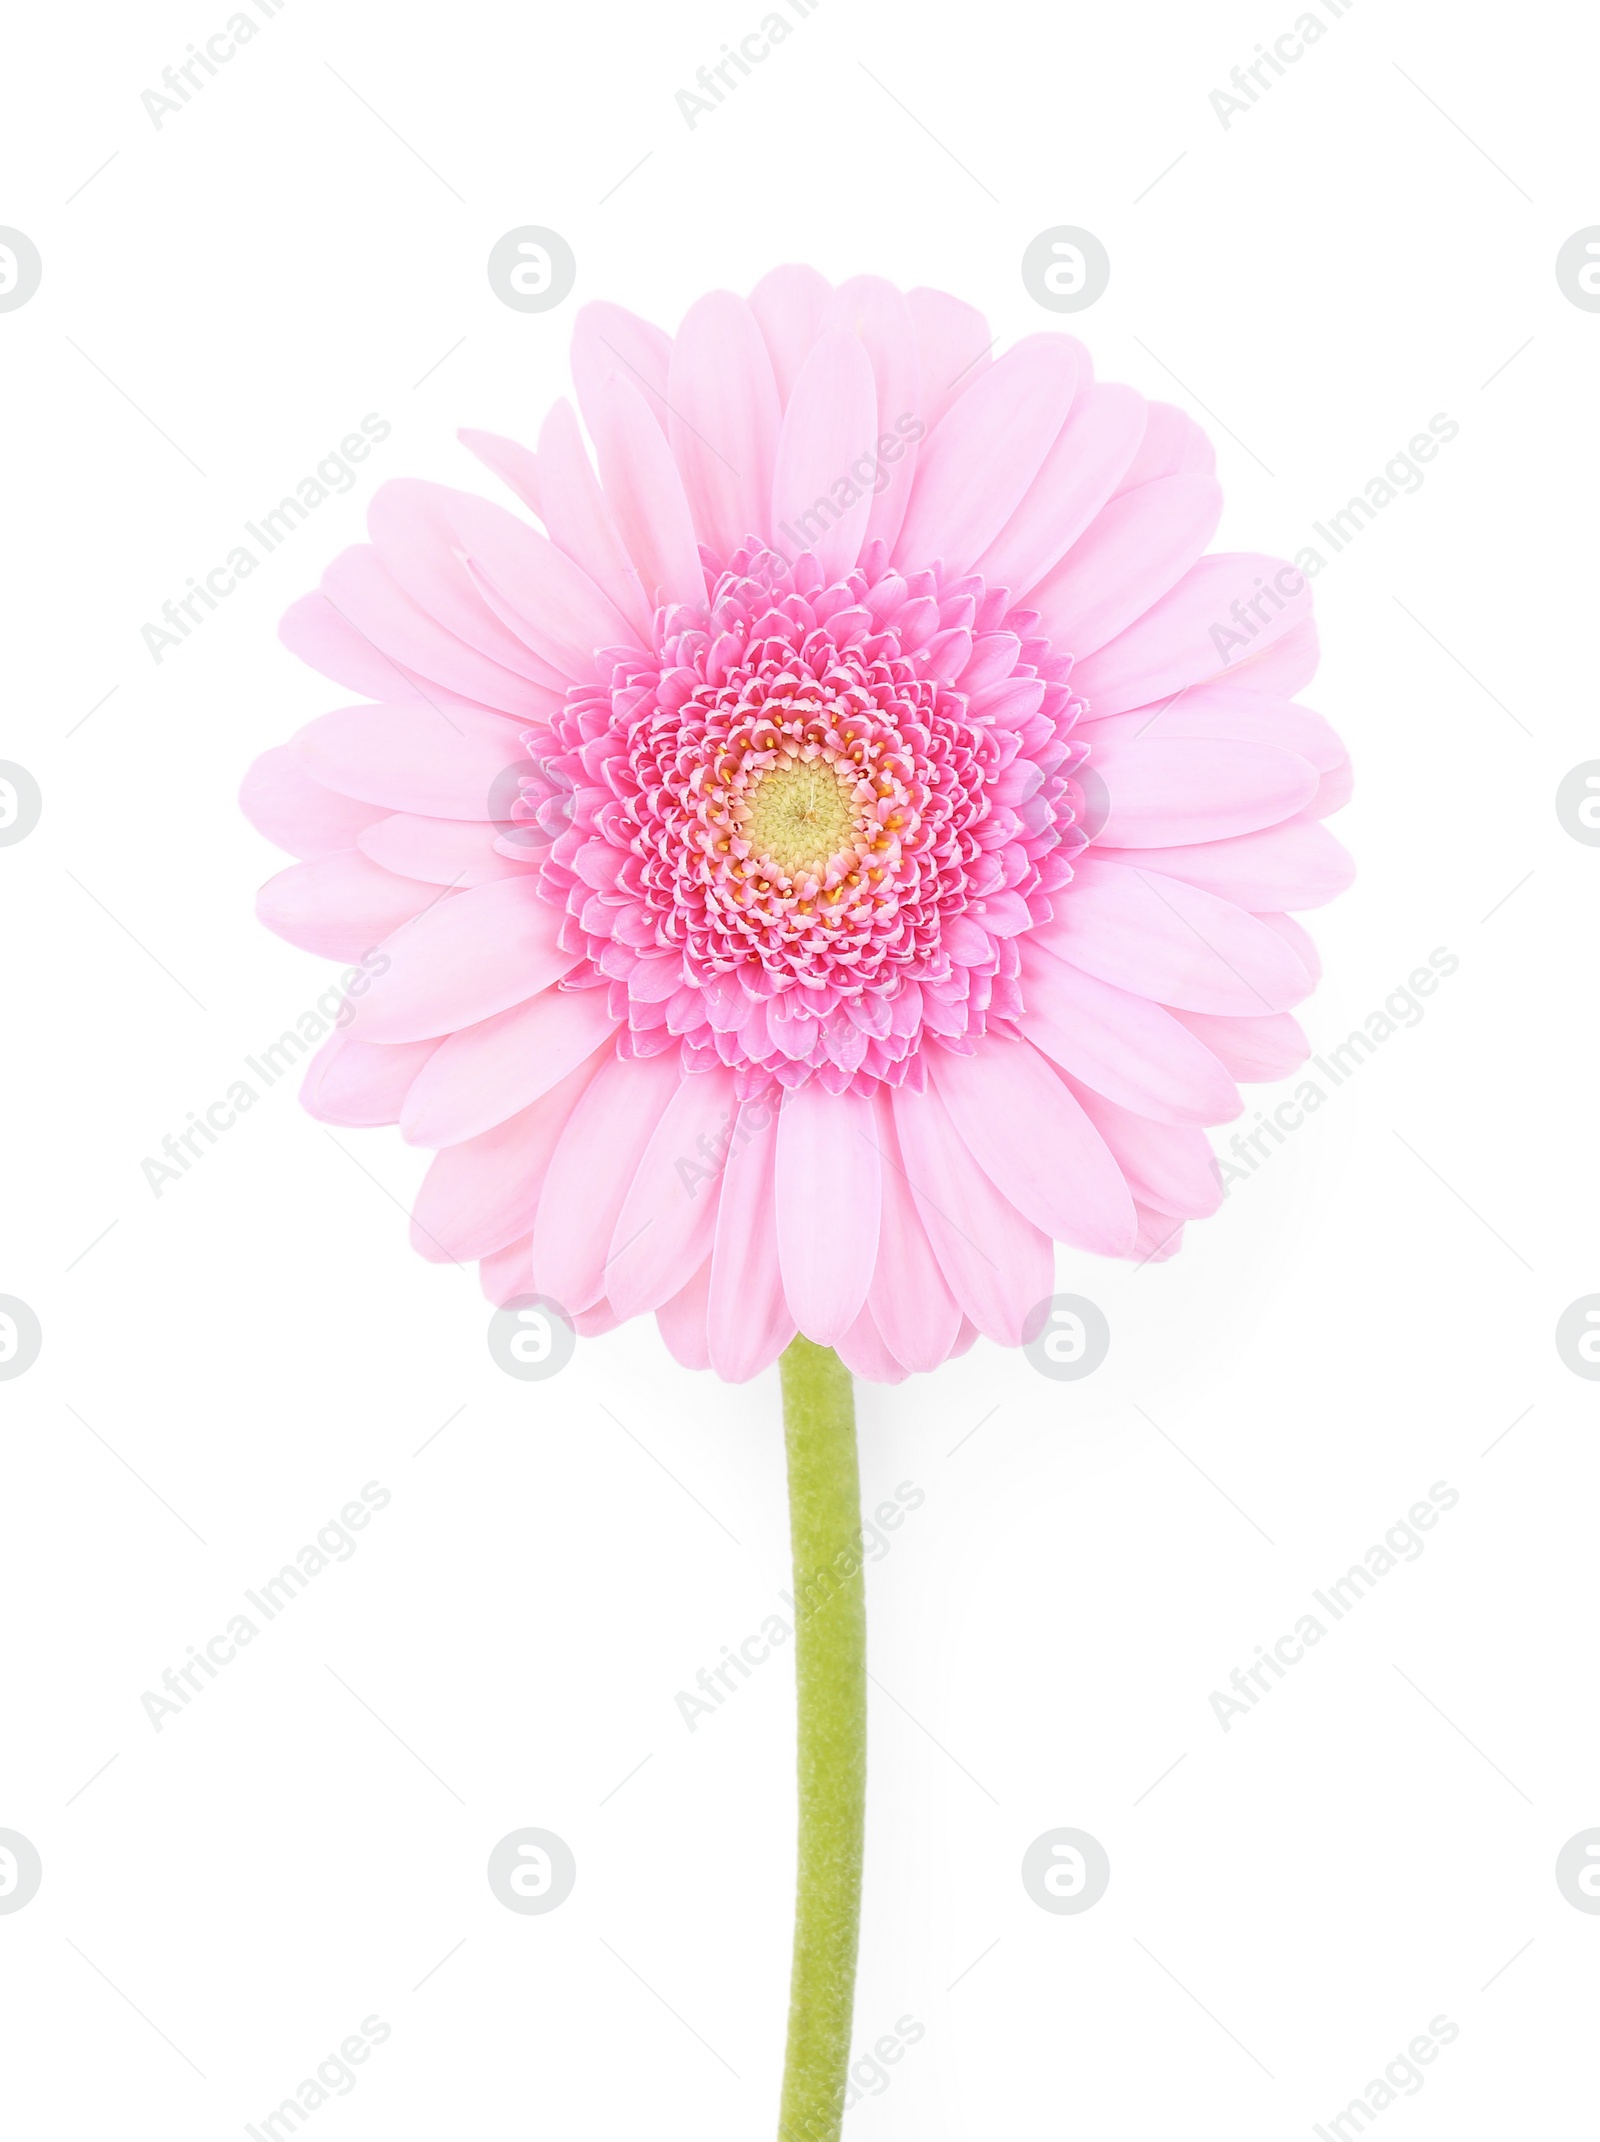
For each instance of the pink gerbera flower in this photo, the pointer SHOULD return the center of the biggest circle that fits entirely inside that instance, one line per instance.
(850, 849)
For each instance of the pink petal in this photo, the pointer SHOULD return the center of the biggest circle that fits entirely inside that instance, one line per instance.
(361, 1083)
(788, 304)
(429, 760)
(667, 1220)
(828, 427)
(1159, 1237)
(975, 468)
(1255, 1050)
(471, 955)
(646, 495)
(1294, 865)
(826, 1178)
(371, 600)
(515, 465)
(1168, 1166)
(864, 1353)
(1036, 1144)
(723, 421)
(1202, 628)
(440, 851)
(1173, 445)
(554, 606)
(1159, 938)
(911, 1306)
(682, 1321)
(580, 522)
(485, 1073)
(295, 812)
(340, 906)
(997, 1264)
(1298, 939)
(593, 1170)
(1091, 450)
(1166, 791)
(325, 639)
(1133, 1051)
(1141, 545)
(868, 306)
(480, 1196)
(607, 343)
(748, 1322)
(414, 528)
(953, 345)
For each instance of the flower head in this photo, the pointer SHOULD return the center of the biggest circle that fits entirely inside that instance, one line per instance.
(851, 848)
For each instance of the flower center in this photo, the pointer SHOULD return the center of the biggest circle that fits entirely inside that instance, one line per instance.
(800, 815)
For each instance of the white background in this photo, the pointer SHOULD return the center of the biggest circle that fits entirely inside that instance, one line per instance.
(1374, 1843)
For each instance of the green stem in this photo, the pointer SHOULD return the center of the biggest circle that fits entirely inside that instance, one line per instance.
(819, 1420)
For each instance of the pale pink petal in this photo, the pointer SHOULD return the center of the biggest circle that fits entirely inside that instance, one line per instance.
(592, 1172)
(457, 852)
(788, 304)
(516, 466)
(826, 1179)
(997, 1264)
(1294, 865)
(911, 1306)
(723, 420)
(326, 639)
(471, 955)
(975, 467)
(821, 499)
(580, 522)
(1126, 1047)
(1173, 445)
(1255, 1050)
(484, 1073)
(361, 1083)
(609, 342)
(1160, 1236)
(953, 345)
(1011, 1110)
(1141, 545)
(1298, 939)
(667, 1219)
(416, 758)
(1166, 791)
(295, 812)
(864, 1352)
(415, 529)
(748, 1322)
(340, 906)
(874, 310)
(482, 1195)
(1224, 611)
(1168, 1166)
(681, 1320)
(372, 602)
(1162, 939)
(551, 604)
(506, 1273)
(1091, 450)
(646, 495)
